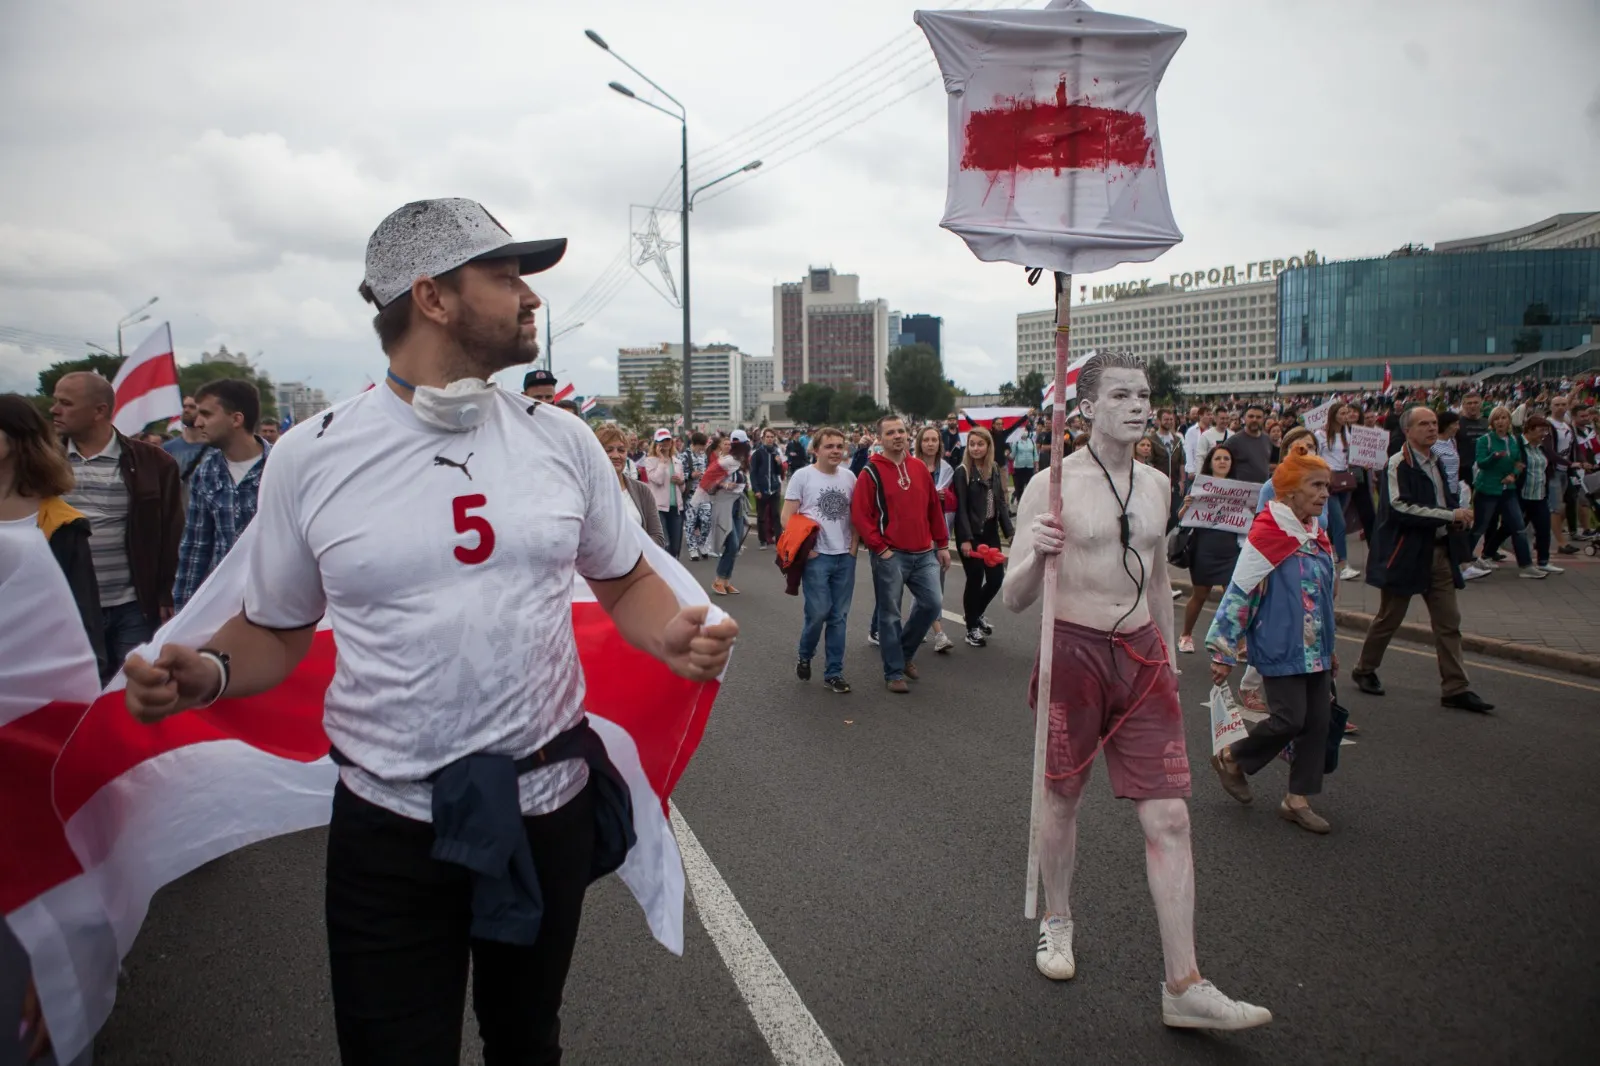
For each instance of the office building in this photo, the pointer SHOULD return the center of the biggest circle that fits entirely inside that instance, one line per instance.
(1219, 335)
(758, 377)
(1522, 302)
(718, 379)
(295, 399)
(824, 332)
(922, 329)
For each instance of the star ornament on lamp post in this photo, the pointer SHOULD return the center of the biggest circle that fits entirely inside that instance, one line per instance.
(653, 248)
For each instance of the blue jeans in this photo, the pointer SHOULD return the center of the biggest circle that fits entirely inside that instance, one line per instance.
(918, 572)
(672, 529)
(828, 583)
(1536, 519)
(730, 547)
(1334, 513)
(125, 626)
(1508, 507)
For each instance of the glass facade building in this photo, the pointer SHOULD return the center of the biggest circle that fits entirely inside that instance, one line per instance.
(1432, 316)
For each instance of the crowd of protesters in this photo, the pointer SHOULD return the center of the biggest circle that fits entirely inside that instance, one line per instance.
(138, 521)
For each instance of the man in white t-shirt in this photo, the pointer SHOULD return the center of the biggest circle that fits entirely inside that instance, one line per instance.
(822, 492)
(444, 560)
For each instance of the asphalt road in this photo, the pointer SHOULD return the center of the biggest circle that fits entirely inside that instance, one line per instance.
(877, 843)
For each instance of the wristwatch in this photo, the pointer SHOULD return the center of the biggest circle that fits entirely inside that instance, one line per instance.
(223, 663)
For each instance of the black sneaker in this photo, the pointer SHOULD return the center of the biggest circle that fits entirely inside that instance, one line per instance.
(836, 684)
(975, 637)
(802, 669)
(983, 624)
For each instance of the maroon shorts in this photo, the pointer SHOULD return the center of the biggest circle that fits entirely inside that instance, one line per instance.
(1103, 691)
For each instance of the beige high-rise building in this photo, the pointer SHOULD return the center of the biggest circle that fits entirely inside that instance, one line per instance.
(824, 332)
(718, 378)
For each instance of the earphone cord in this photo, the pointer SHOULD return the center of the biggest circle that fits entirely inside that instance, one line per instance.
(1139, 581)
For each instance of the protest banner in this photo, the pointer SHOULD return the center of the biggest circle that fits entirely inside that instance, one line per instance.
(1316, 419)
(1218, 503)
(1369, 447)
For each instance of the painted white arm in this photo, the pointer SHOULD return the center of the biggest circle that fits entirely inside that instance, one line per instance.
(1024, 579)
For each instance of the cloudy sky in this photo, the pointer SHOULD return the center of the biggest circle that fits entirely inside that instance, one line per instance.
(232, 158)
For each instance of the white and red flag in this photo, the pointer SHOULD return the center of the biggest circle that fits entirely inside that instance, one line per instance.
(1055, 160)
(147, 385)
(102, 811)
(1388, 376)
(564, 393)
(1072, 382)
(1010, 418)
(588, 405)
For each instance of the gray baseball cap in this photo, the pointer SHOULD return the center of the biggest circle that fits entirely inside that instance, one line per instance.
(427, 238)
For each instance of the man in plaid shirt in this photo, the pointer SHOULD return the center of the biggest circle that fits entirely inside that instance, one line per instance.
(222, 489)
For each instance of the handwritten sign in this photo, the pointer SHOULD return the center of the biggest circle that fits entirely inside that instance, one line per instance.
(1316, 419)
(1219, 503)
(1369, 447)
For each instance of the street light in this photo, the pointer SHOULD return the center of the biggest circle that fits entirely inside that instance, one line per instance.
(683, 119)
(129, 320)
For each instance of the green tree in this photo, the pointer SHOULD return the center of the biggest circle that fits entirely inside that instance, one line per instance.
(865, 410)
(1165, 387)
(631, 411)
(1028, 394)
(664, 382)
(810, 404)
(917, 385)
(104, 365)
(841, 404)
(193, 375)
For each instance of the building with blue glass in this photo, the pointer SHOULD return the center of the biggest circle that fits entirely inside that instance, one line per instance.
(1522, 302)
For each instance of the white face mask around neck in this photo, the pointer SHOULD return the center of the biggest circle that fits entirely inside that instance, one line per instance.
(459, 406)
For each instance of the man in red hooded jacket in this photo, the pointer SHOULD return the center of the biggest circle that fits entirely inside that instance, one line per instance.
(897, 514)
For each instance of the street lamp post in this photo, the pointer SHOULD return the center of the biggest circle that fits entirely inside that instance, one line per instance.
(129, 320)
(688, 202)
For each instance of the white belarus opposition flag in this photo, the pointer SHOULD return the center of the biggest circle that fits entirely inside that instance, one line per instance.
(101, 811)
(1072, 382)
(147, 385)
(1055, 160)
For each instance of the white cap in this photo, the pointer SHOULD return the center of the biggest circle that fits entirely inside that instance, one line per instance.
(739, 435)
(663, 434)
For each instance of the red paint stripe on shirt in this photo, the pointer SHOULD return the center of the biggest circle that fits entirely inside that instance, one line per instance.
(1027, 134)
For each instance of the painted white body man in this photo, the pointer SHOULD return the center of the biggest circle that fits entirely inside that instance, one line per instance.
(1115, 684)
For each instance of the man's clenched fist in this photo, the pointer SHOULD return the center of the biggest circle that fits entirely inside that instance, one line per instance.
(180, 678)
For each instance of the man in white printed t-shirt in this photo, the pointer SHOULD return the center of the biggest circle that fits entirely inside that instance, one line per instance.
(411, 516)
(822, 492)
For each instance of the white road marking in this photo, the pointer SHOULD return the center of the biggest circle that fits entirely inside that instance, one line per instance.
(792, 1034)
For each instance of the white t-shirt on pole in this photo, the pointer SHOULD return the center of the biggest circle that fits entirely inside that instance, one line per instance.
(825, 499)
(445, 564)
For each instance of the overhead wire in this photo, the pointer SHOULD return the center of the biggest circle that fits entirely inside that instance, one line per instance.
(861, 84)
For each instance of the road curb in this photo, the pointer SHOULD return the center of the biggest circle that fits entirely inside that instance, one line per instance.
(1532, 654)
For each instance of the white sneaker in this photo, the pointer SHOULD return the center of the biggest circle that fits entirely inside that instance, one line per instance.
(1532, 573)
(1472, 571)
(1349, 573)
(1054, 953)
(694, 556)
(1203, 1006)
(942, 643)
(1486, 563)
(1549, 569)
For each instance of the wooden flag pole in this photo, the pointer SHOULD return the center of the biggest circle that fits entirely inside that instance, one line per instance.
(1041, 727)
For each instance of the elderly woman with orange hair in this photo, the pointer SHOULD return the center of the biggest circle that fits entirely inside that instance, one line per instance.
(1279, 608)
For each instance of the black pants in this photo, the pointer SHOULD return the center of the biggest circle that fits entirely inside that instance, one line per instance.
(769, 509)
(1020, 476)
(1300, 706)
(983, 582)
(398, 941)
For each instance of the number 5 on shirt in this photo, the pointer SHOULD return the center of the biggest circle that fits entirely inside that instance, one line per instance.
(471, 523)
